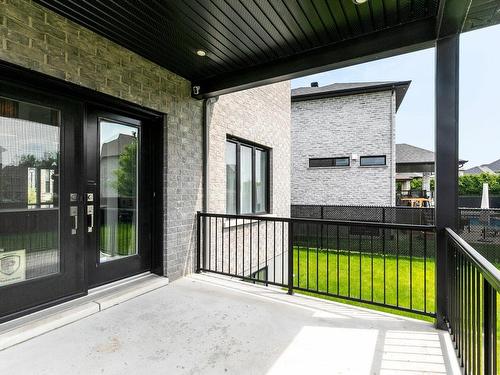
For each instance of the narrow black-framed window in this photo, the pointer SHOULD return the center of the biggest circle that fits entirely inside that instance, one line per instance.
(377, 160)
(329, 162)
(247, 178)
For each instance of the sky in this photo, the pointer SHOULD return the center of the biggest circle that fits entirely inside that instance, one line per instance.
(479, 97)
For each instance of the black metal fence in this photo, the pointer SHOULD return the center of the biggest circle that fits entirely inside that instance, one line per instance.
(472, 306)
(479, 227)
(385, 264)
(377, 214)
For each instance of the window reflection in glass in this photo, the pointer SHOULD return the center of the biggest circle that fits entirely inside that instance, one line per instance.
(230, 178)
(29, 191)
(118, 190)
(260, 181)
(246, 180)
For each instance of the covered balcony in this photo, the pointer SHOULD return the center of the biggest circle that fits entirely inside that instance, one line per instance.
(252, 291)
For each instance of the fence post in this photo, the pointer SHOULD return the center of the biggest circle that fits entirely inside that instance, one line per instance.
(489, 328)
(198, 242)
(290, 257)
(322, 217)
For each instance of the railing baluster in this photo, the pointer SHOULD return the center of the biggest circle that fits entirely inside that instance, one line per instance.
(307, 255)
(371, 272)
(198, 242)
(327, 259)
(425, 271)
(473, 319)
(243, 248)
(317, 259)
(216, 242)
(274, 252)
(290, 257)
(282, 251)
(489, 328)
(397, 268)
(411, 269)
(258, 245)
(250, 252)
(210, 243)
(360, 268)
(236, 247)
(383, 255)
(338, 260)
(229, 245)
(267, 273)
(222, 228)
(349, 261)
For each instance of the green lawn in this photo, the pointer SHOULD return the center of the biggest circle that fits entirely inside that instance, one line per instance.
(339, 273)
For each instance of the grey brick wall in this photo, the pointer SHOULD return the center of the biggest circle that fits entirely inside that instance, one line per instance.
(38, 39)
(361, 124)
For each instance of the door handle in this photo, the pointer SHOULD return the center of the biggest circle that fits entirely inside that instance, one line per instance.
(73, 213)
(90, 218)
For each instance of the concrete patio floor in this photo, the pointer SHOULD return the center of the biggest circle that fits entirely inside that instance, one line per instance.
(206, 324)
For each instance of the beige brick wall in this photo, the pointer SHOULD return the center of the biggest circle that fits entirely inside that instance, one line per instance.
(38, 39)
(260, 115)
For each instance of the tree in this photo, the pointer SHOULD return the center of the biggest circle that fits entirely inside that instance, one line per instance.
(127, 171)
(473, 184)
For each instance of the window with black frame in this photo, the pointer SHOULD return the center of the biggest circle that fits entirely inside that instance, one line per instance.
(329, 162)
(247, 178)
(370, 161)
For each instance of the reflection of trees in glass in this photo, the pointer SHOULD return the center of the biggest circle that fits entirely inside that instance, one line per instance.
(126, 173)
(49, 161)
(35, 166)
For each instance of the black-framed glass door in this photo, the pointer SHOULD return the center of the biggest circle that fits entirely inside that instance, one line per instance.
(41, 244)
(117, 197)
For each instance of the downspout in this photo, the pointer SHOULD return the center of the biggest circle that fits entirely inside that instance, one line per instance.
(205, 156)
(393, 146)
(207, 108)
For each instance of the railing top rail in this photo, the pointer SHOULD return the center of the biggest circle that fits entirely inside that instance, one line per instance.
(479, 209)
(358, 206)
(488, 270)
(370, 224)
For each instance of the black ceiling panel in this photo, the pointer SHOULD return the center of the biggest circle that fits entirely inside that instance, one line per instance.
(242, 35)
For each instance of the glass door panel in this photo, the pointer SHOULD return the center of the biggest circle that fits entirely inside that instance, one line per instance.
(118, 236)
(29, 191)
(118, 190)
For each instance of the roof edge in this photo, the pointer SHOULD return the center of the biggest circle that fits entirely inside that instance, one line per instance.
(400, 88)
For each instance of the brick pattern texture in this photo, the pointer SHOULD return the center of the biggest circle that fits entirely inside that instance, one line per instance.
(362, 124)
(260, 115)
(38, 39)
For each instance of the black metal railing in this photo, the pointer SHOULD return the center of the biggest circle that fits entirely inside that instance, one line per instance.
(473, 285)
(384, 264)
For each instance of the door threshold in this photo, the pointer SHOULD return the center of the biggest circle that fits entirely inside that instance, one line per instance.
(98, 299)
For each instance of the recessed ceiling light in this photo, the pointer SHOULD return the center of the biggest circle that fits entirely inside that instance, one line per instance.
(359, 2)
(201, 53)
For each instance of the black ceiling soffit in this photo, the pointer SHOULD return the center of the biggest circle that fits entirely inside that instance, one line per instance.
(254, 42)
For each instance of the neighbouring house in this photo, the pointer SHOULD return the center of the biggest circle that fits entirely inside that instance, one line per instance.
(343, 143)
(416, 162)
(493, 167)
